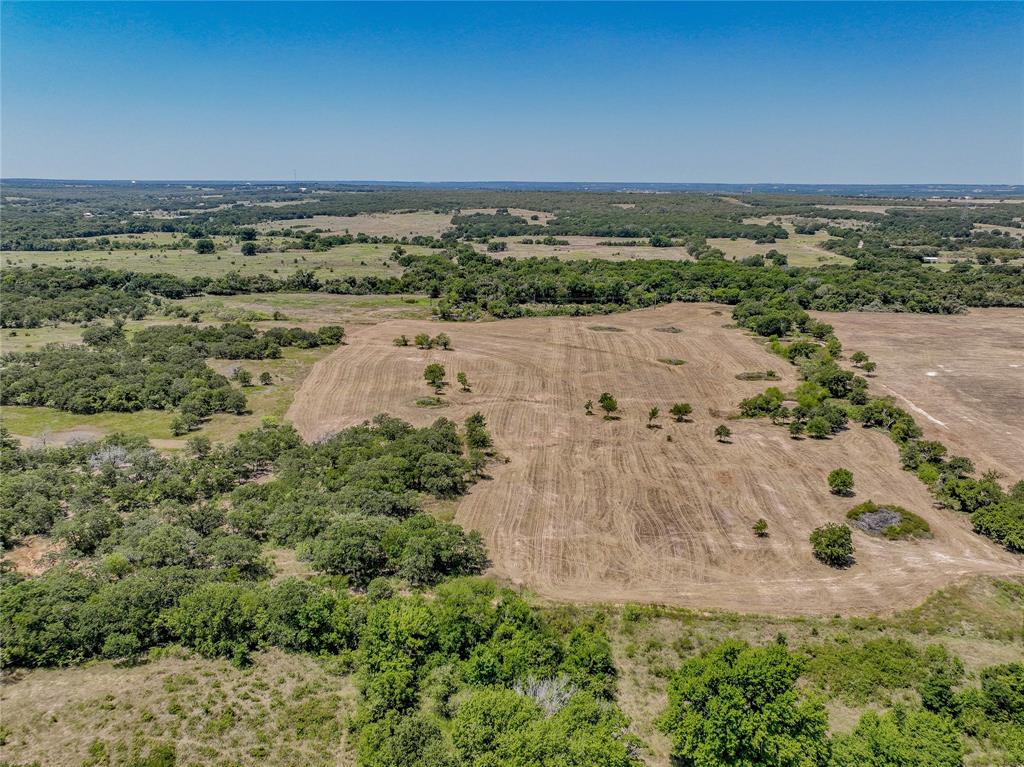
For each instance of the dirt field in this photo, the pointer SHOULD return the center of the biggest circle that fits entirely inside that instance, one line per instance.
(962, 377)
(589, 509)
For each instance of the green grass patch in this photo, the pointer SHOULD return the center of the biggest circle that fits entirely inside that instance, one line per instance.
(431, 402)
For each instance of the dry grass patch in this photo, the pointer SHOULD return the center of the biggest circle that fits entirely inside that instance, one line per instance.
(283, 710)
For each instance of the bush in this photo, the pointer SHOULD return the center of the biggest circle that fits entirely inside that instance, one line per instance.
(840, 481)
(833, 544)
(899, 739)
(220, 620)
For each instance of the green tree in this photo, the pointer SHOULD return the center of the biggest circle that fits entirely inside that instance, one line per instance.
(463, 380)
(761, 528)
(243, 376)
(434, 375)
(442, 341)
(608, 404)
(738, 705)
(401, 341)
(833, 544)
(722, 432)
(248, 248)
(266, 379)
(220, 619)
(652, 415)
(840, 481)
(205, 246)
(681, 411)
(818, 427)
(423, 341)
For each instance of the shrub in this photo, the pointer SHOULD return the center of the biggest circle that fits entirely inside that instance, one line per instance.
(914, 739)
(833, 544)
(840, 481)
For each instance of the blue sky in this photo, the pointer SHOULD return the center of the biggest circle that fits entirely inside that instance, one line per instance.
(714, 92)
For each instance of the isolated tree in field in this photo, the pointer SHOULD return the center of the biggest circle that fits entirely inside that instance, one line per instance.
(840, 481)
(858, 358)
(463, 380)
(652, 415)
(588, 407)
(266, 379)
(833, 544)
(423, 340)
(442, 341)
(608, 404)
(739, 705)
(722, 432)
(761, 528)
(401, 341)
(681, 410)
(243, 376)
(869, 367)
(434, 375)
(248, 248)
(204, 245)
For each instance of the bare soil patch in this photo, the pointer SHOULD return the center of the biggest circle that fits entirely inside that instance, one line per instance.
(589, 509)
(962, 377)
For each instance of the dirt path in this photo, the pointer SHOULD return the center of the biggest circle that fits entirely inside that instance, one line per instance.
(588, 509)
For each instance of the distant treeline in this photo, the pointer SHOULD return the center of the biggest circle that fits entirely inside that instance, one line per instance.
(34, 217)
(469, 284)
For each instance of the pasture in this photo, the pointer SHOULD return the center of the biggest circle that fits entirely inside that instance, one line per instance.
(357, 259)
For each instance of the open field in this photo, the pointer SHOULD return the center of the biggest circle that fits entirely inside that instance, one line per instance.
(589, 509)
(961, 376)
(357, 259)
(800, 249)
(282, 710)
(423, 222)
(587, 247)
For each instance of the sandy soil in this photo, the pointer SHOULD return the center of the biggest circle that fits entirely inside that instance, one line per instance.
(962, 377)
(588, 509)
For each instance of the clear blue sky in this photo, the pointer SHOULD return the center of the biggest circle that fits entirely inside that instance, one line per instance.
(793, 92)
